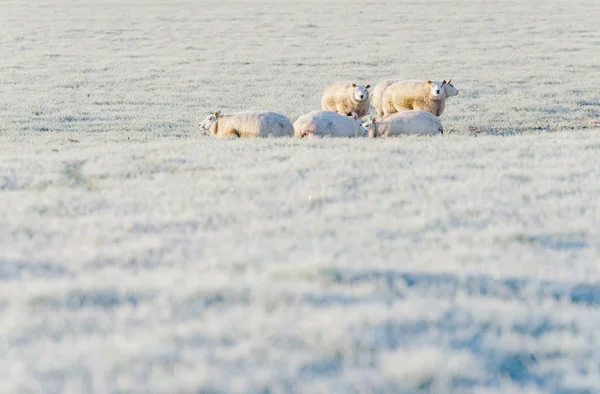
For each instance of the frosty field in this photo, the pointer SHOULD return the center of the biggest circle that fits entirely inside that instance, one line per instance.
(139, 255)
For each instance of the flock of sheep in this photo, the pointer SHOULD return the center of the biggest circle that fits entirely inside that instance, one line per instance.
(402, 107)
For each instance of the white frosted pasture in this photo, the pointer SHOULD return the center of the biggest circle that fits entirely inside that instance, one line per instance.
(138, 254)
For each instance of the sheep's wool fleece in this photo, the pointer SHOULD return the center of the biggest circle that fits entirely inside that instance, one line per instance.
(327, 124)
(253, 124)
(377, 94)
(407, 122)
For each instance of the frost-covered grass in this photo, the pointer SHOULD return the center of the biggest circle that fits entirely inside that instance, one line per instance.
(138, 255)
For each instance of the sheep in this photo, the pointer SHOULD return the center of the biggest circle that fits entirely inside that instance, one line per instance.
(404, 123)
(328, 124)
(248, 124)
(346, 98)
(410, 95)
(377, 93)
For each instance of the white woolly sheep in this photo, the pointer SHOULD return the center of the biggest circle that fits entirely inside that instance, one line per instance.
(427, 96)
(346, 98)
(248, 124)
(377, 93)
(328, 124)
(404, 123)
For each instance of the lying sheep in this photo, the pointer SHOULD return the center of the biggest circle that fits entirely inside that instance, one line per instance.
(248, 124)
(328, 124)
(346, 98)
(427, 96)
(404, 123)
(377, 93)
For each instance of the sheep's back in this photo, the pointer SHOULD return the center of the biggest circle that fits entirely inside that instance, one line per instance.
(326, 123)
(377, 93)
(258, 124)
(413, 122)
(406, 89)
(275, 125)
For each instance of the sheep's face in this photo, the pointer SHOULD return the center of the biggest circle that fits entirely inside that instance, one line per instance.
(437, 89)
(206, 124)
(361, 92)
(369, 127)
(449, 89)
(363, 131)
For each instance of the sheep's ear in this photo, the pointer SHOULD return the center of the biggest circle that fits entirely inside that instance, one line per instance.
(373, 119)
(217, 113)
(443, 82)
(429, 82)
(368, 86)
(353, 85)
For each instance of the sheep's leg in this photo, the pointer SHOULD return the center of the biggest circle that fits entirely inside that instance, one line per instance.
(390, 109)
(234, 133)
(384, 110)
(340, 109)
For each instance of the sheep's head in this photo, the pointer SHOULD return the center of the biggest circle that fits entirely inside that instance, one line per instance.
(369, 127)
(436, 89)
(361, 92)
(363, 131)
(449, 89)
(209, 120)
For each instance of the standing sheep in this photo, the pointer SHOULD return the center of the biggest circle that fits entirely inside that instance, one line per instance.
(404, 123)
(248, 124)
(377, 93)
(328, 124)
(409, 95)
(346, 98)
